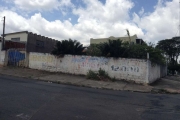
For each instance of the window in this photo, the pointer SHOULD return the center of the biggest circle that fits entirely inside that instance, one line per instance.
(15, 39)
(39, 43)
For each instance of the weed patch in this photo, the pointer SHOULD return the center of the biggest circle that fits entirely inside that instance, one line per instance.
(100, 75)
(92, 75)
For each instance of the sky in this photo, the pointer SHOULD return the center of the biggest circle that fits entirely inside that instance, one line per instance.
(151, 20)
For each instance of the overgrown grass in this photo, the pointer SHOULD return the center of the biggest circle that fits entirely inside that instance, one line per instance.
(100, 75)
(92, 75)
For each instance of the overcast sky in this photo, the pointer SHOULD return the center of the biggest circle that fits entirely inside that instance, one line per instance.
(152, 20)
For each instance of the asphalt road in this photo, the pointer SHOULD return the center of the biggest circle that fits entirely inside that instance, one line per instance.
(24, 99)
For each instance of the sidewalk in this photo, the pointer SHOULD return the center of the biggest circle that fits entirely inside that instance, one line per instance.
(165, 85)
(169, 83)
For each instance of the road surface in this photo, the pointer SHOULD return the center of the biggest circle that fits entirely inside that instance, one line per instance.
(26, 99)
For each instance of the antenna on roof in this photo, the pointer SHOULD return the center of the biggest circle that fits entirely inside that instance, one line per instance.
(128, 35)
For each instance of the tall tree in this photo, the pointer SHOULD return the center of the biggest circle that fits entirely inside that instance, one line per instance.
(140, 51)
(171, 48)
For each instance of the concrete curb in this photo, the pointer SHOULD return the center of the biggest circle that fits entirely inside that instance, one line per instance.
(165, 91)
(152, 90)
(76, 84)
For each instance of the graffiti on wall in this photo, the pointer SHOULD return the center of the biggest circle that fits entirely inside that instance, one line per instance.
(46, 66)
(125, 68)
(90, 62)
(42, 61)
(16, 58)
(41, 58)
(129, 69)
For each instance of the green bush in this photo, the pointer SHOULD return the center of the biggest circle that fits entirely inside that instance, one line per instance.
(102, 73)
(92, 75)
(93, 50)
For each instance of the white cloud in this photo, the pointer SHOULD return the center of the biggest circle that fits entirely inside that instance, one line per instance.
(36, 4)
(141, 12)
(97, 20)
(42, 5)
(160, 24)
(14, 22)
(37, 24)
(112, 11)
(104, 20)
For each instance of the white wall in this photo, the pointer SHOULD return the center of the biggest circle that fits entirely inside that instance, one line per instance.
(67, 64)
(128, 69)
(163, 71)
(22, 36)
(0, 46)
(42, 61)
(138, 70)
(2, 57)
(154, 72)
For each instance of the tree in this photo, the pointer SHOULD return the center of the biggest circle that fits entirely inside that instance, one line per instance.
(115, 48)
(170, 48)
(135, 51)
(140, 51)
(93, 50)
(112, 48)
(72, 47)
(178, 68)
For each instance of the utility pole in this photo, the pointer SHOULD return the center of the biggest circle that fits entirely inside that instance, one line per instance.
(3, 33)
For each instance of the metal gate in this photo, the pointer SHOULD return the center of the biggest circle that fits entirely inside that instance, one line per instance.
(16, 58)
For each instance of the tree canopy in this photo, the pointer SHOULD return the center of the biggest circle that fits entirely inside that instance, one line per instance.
(94, 50)
(72, 47)
(112, 48)
(117, 48)
(171, 48)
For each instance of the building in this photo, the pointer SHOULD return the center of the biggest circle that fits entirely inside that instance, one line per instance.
(133, 39)
(18, 45)
(32, 42)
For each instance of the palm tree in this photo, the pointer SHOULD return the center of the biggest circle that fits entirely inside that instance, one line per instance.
(112, 48)
(72, 47)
